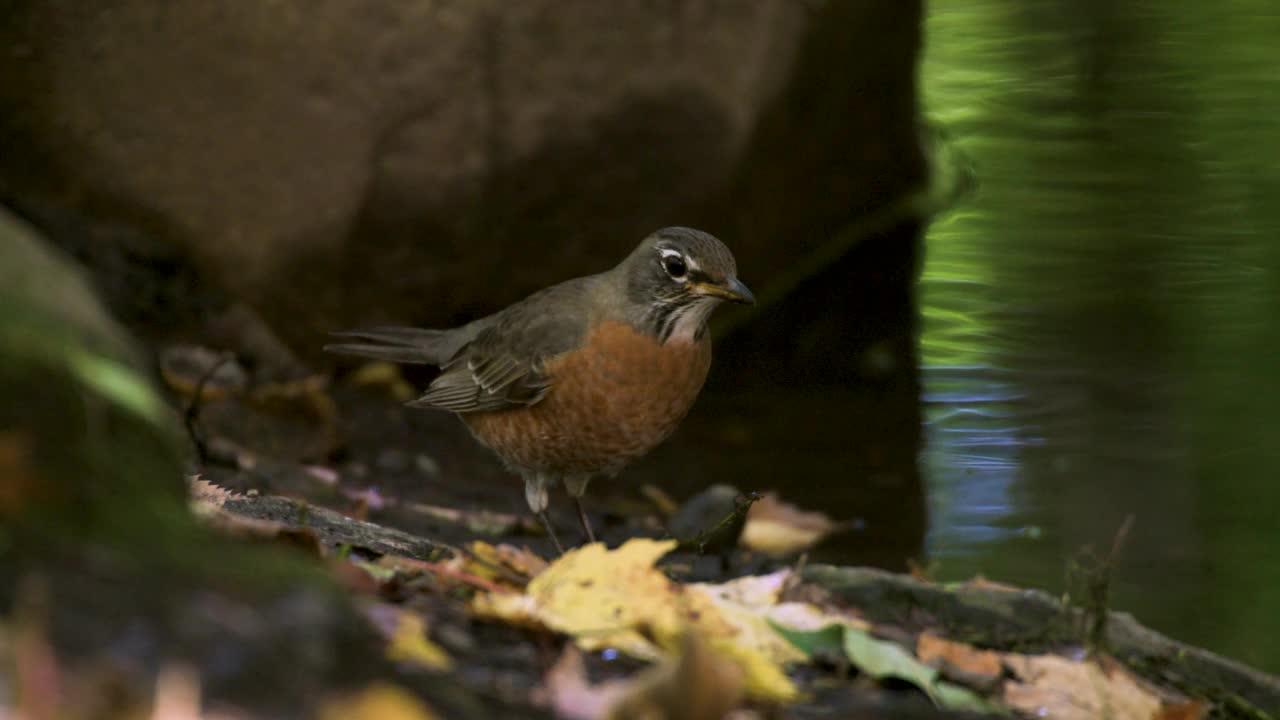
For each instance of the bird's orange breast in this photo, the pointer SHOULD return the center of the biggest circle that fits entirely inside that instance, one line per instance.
(610, 402)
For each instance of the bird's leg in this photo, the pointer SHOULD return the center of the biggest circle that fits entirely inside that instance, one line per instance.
(577, 485)
(535, 493)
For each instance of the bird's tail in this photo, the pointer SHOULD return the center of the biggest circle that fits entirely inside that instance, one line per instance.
(396, 344)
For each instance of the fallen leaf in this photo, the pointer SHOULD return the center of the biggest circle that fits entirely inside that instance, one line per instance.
(745, 604)
(451, 571)
(697, 684)
(487, 558)
(700, 684)
(411, 644)
(775, 527)
(205, 496)
(381, 701)
(602, 598)
(963, 659)
(572, 696)
(522, 560)
(617, 599)
(384, 375)
(882, 659)
(406, 633)
(1066, 689)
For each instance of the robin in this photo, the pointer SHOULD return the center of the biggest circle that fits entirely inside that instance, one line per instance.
(581, 378)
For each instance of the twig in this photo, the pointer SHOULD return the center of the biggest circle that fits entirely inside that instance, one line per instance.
(741, 505)
(191, 418)
(1092, 573)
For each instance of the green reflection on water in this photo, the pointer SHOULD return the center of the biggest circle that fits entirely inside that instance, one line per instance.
(1100, 334)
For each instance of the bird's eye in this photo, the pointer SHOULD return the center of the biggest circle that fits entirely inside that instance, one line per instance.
(675, 266)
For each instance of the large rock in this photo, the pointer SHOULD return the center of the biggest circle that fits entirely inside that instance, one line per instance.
(329, 161)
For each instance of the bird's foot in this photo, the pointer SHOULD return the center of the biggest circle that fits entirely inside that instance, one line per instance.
(546, 524)
(582, 518)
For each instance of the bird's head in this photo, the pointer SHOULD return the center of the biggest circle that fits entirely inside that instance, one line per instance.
(676, 277)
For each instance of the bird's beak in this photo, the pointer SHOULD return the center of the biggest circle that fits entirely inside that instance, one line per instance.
(731, 289)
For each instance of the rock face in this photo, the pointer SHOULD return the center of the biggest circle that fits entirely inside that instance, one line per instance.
(330, 162)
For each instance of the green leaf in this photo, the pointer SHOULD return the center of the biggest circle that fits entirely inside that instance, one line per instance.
(828, 640)
(883, 659)
(957, 697)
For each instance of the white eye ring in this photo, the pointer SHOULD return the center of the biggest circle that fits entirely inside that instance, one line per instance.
(674, 263)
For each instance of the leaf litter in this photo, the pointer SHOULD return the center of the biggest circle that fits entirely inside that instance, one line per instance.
(702, 649)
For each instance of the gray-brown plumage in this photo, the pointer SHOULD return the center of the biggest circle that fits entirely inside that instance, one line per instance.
(583, 377)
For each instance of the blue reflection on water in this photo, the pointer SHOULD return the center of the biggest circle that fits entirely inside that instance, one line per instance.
(971, 458)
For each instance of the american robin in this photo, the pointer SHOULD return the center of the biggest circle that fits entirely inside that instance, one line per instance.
(581, 378)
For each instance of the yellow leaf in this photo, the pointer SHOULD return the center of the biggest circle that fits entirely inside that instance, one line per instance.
(409, 643)
(602, 598)
(384, 375)
(378, 702)
(617, 599)
(744, 605)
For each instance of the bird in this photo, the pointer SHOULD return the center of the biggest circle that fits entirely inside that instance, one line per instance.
(579, 379)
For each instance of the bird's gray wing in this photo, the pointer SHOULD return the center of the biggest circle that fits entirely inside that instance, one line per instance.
(503, 366)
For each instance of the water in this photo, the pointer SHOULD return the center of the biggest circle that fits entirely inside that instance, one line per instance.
(1100, 331)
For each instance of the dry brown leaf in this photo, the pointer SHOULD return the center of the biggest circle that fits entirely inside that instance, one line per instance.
(572, 696)
(961, 658)
(206, 496)
(775, 527)
(1057, 687)
(522, 560)
(701, 684)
